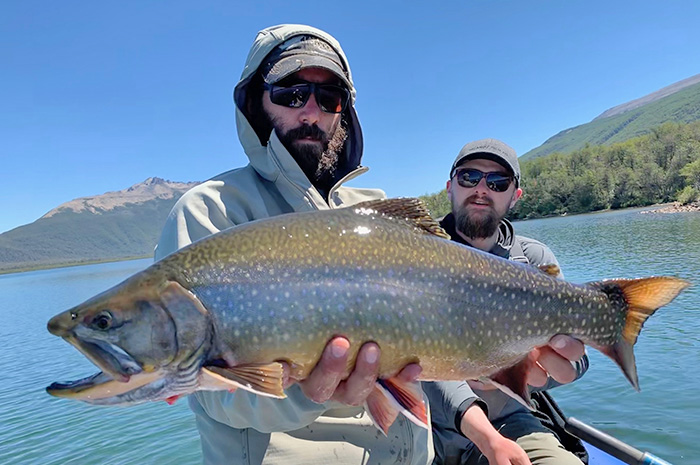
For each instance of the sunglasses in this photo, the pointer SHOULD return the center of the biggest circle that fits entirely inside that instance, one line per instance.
(330, 98)
(469, 177)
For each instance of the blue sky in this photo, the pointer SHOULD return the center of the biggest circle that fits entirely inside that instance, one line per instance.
(98, 96)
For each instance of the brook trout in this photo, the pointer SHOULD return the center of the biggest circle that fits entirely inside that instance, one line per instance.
(223, 312)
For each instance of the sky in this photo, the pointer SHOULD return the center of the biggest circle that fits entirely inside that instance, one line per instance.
(99, 96)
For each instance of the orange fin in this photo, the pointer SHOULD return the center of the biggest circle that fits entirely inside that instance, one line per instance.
(404, 397)
(550, 269)
(264, 379)
(381, 410)
(641, 298)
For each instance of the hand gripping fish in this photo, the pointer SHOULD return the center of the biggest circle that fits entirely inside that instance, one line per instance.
(221, 313)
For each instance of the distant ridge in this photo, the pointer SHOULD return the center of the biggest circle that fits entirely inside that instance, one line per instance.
(111, 226)
(679, 103)
(654, 96)
(151, 188)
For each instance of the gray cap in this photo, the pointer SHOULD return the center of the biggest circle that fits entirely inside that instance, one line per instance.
(300, 52)
(489, 149)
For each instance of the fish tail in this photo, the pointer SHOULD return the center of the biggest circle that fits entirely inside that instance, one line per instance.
(640, 298)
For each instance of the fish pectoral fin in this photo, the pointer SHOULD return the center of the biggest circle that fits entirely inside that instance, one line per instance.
(391, 396)
(264, 379)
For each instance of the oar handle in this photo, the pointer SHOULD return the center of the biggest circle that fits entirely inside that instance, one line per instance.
(611, 445)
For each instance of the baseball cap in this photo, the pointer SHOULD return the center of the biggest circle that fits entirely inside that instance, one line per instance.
(489, 149)
(300, 52)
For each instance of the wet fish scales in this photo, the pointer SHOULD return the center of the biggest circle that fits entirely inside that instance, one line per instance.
(279, 289)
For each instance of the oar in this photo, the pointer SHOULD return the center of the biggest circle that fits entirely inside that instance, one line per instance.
(609, 444)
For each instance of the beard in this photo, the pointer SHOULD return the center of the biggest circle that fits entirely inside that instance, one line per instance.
(320, 163)
(477, 225)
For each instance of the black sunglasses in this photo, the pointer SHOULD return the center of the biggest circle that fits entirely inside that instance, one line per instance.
(469, 177)
(330, 98)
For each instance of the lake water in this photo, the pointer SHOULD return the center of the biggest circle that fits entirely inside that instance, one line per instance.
(36, 428)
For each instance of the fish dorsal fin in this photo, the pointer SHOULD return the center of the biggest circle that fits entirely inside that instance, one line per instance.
(410, 209)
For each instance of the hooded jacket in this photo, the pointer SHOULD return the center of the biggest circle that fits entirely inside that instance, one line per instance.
(240, 427)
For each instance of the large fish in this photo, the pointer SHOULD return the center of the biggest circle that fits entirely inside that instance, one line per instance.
(222, 312)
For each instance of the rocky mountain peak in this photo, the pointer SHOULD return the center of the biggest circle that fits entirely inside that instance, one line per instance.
(150, 189)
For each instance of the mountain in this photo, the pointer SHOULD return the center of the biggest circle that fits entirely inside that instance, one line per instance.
(111, 226)
(679, 102)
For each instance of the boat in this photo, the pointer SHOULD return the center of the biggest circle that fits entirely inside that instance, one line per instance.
(602, 448)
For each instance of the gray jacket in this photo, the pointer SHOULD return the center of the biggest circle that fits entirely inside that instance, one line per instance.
(241, 428)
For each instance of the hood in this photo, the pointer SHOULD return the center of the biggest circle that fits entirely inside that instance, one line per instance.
(265, 41)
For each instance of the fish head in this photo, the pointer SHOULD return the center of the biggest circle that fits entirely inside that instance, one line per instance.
(139, 334)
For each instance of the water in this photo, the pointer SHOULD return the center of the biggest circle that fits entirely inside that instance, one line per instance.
(663, 417)
(36, 428)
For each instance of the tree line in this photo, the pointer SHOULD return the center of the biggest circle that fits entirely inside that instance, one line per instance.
(659, 167)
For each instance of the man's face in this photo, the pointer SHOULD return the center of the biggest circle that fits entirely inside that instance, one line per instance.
(479, 210)
(313, 137)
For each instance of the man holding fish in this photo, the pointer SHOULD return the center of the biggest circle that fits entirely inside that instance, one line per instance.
(297, 123)
(483, 187)
(298, 126)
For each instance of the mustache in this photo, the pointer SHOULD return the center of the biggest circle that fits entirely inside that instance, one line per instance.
(475, 197)
(306, 130)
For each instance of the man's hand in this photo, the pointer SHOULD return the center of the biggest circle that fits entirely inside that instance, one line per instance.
(503, 451)
(554, 360)
(498, 449)
(330, 380)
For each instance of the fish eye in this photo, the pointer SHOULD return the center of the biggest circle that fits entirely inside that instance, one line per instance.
(103, 321)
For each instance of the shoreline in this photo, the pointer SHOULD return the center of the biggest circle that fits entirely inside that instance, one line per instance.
(665, 207)
(660, 208)
(675, 207)
(70, 264)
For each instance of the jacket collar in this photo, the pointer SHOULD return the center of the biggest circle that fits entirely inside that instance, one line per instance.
(506, 235)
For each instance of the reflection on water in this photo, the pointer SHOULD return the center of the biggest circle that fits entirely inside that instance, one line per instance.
(37, 428)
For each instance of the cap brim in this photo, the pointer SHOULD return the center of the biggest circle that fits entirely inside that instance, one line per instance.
(292, 64)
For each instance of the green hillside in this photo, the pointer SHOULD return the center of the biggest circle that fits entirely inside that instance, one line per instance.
(71, 237)
(681, 107)
(659, 167)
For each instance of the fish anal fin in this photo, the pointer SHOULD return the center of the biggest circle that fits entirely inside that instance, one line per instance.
(381, 410)
(264, 379)
(409, 209)
(407, 397)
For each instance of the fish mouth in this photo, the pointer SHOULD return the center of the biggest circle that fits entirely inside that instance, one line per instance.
(111, 359)
(102, 389)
